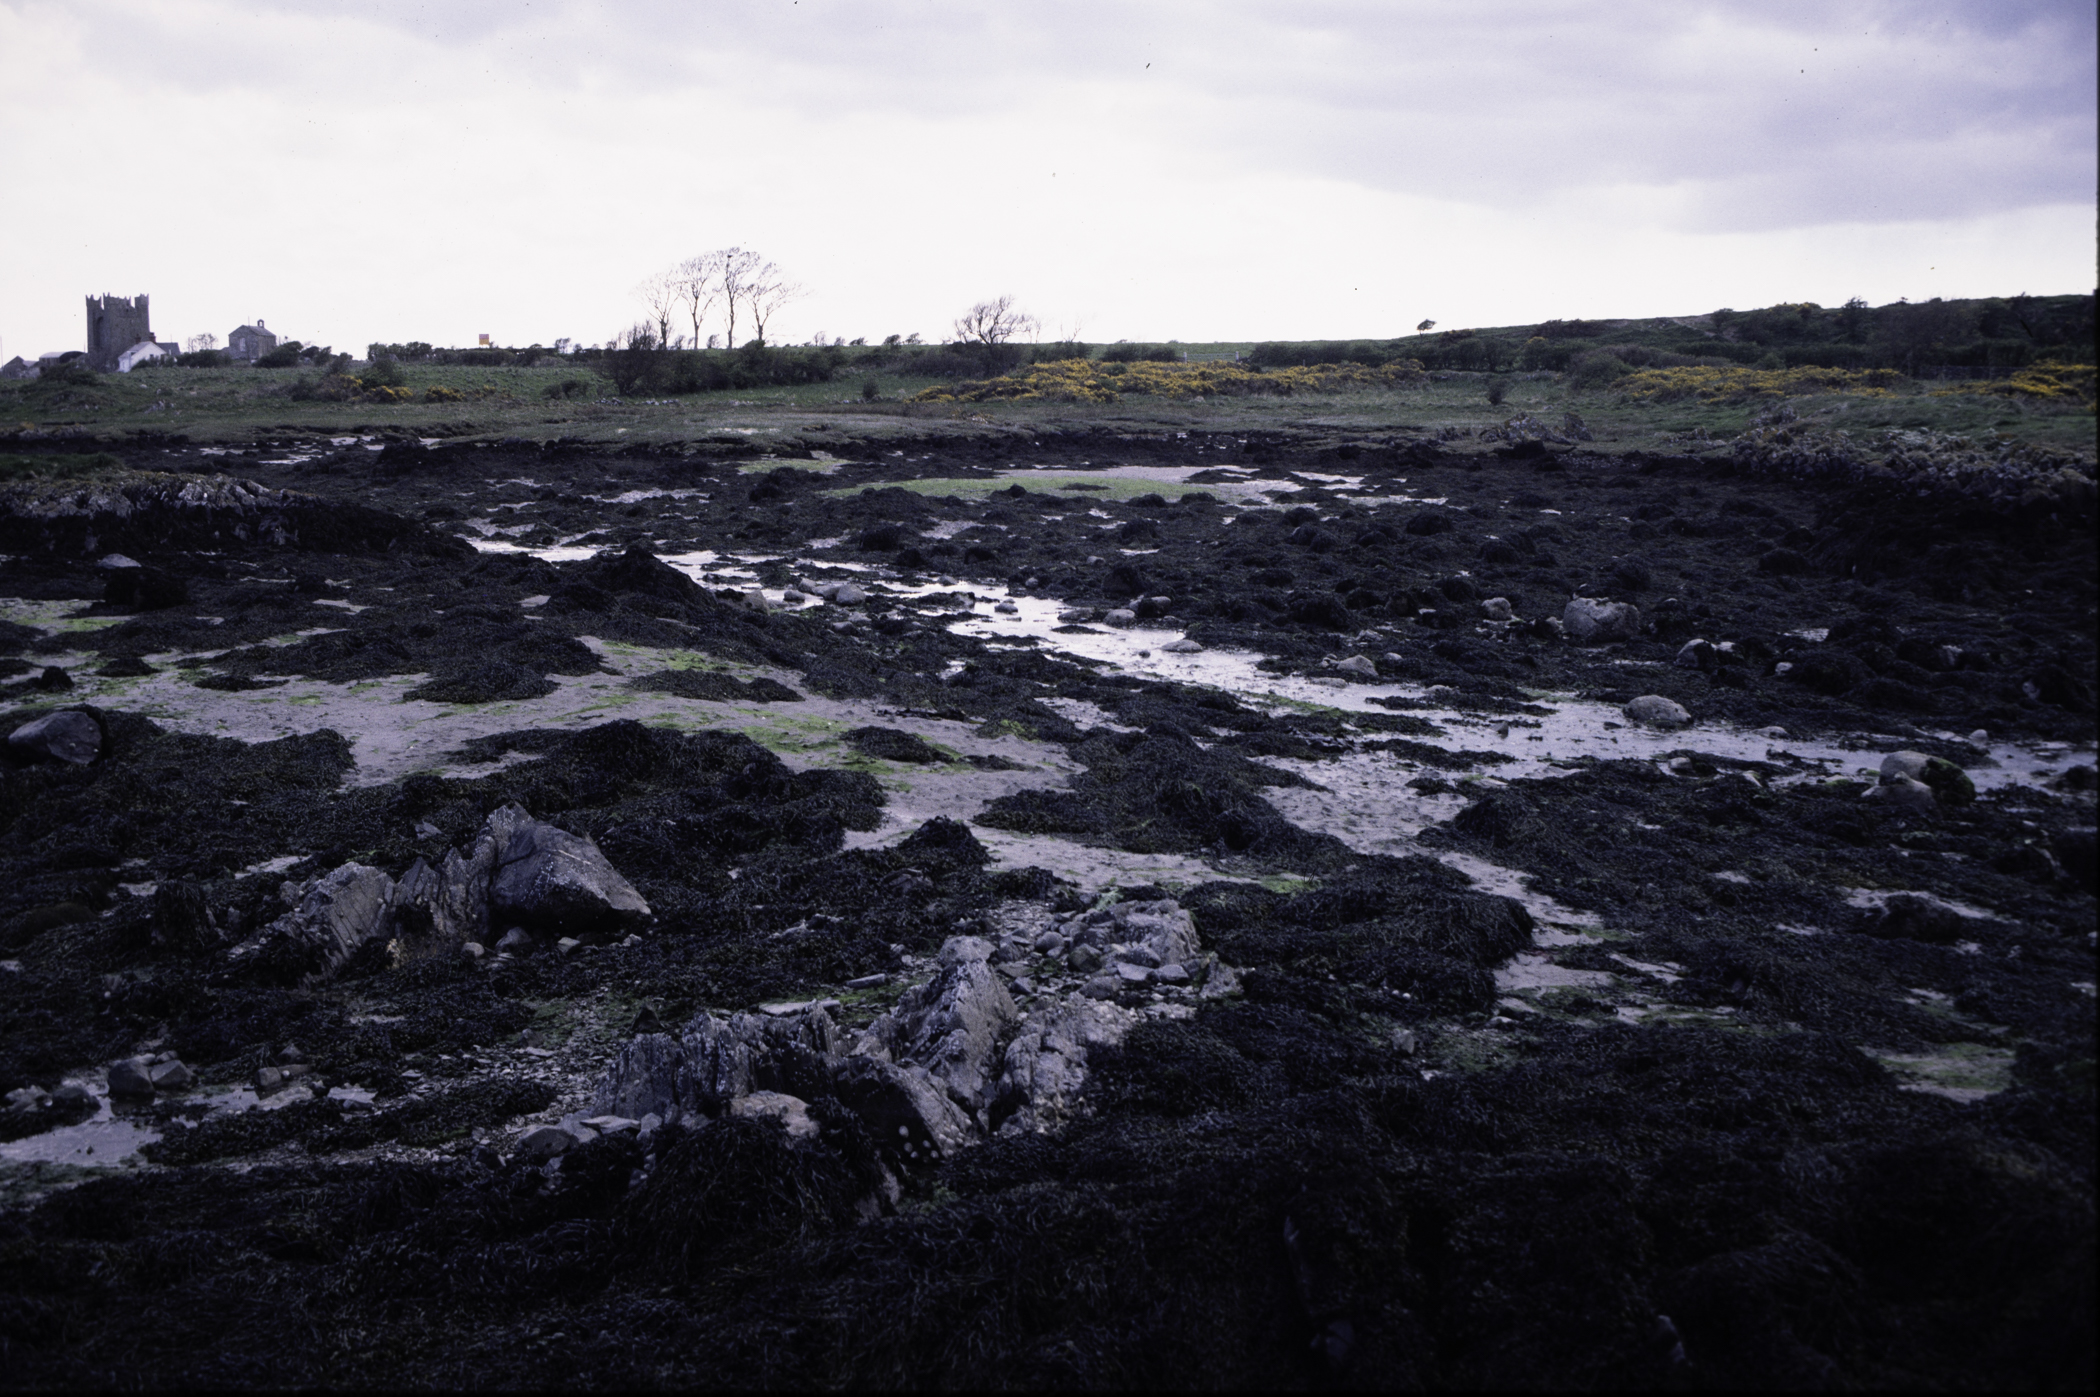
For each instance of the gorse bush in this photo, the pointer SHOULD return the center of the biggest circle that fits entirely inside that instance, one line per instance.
(1087, 381)
(1739, 385)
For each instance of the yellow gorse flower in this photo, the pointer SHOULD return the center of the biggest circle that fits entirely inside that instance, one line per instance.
(1088, 381)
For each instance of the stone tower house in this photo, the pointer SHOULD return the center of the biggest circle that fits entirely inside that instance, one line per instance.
(114, 325)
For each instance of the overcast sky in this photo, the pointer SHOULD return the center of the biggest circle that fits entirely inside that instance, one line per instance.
(394, 170)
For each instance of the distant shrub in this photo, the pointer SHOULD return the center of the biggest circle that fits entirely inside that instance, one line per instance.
(383, 372)
(1498, 389)
(1058, 351)
(203, 359)
(68, 372)
(438, 393)
(329, 388)
(284, 356)
(869, 392)
(567, 388)
(1594, 371)
(1140, 354)
(669, 371)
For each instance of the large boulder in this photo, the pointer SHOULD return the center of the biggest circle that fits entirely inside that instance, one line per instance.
(441, 907)
(66, 736)
(557, 883)
(952, 1025)
(331, 917)
(1587, 621)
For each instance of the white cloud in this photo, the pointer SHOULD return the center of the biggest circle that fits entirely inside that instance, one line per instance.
(436, 171)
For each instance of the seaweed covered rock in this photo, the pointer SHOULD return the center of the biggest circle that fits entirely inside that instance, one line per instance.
(1045, 1064)
(715, 1061)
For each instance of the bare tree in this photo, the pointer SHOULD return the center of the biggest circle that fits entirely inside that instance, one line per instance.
(660, 293)
(699, 289)
(768, 292)
(737, 272)
(198, 343)
(993, 322)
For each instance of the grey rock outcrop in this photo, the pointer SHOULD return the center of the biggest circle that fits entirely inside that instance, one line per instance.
(557, 883)
(902, 1106)
(952, 1025)
(66, 736)
(1587, 621)
(131, 1077)
(715, 1061)
(331, 917)
(1045, 1065)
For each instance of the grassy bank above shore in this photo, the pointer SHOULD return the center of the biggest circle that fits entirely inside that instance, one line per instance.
(238, 407)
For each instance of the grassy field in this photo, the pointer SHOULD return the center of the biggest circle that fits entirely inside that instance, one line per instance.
(243, 406)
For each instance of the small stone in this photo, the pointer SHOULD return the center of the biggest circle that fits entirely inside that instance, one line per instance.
(1358, 665)
(1121, 616)
(1131, 974)
(268, 1079)
(1911, 764)
(1980, 738)
(1655, 711)
(867, 982)
(24, 1099)
(612, 1125)
(71, 1092)
(1100, 987)
(567, 944)
(1183, 646)
(1696, 654)
(1404, 1042)
(1172, 973)
(515, 942)
(171, 1076)
(129, 1078)
(1007, 608)
(427, 830)
(1049, 943)
(848, 595)
(545, 1142)
(473, 950)
(1074, 616)
(1497, 609)
(69, 736)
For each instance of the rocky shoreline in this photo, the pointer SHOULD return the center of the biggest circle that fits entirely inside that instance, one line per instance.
(1058, 909)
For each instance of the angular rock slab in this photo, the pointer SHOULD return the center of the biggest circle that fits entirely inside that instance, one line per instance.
(66, 736)
(1045, 1064)
(952, 1024)
(336, 913)
(558, 883)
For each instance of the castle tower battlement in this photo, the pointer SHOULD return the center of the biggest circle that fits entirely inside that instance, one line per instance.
(114, 324)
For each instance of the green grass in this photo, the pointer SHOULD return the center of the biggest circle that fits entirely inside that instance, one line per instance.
(242, 406)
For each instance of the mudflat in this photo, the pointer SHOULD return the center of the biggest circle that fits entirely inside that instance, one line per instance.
(1010, 903)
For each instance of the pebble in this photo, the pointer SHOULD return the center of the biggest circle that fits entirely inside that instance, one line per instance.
(1655, 711)
(867, 982)
(128, 1078)
(171, 1076)
(1007, 608)
(1497, 609)
(1980, 738)
(1121, 616)
(545, 1142)
(1074, 617)
(1358, 664)
(848, 595)
(1911, 764)
(1134, 974)
(1184, 646)
(1695, 654)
